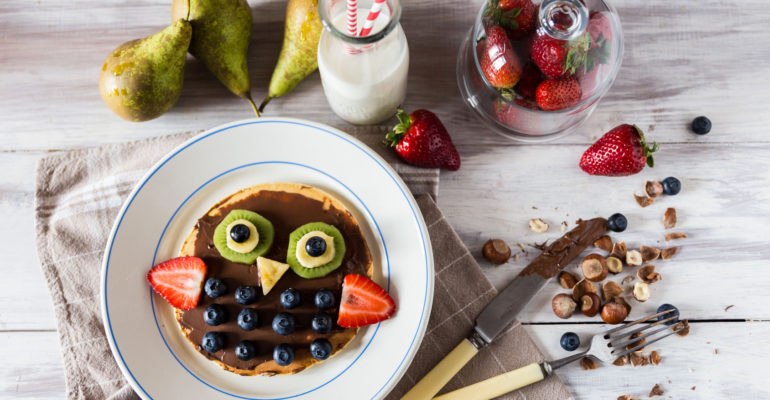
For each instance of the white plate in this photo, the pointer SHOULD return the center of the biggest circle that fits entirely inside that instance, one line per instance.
(162, 209)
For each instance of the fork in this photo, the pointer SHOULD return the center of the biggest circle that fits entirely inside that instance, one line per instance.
(606, 346)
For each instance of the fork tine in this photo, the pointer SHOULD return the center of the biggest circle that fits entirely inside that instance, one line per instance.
(621, 345)
(647, 344)
(641, 328)
(638, 321)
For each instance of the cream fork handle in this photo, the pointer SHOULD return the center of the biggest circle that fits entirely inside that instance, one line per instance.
(498, 385)
(431, 383)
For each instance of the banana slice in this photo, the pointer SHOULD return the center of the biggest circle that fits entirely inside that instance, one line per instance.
(250, 243)
(309, 261)
(270, 271)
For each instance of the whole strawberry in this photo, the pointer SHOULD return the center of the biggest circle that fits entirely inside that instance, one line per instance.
(621, 151)
(421, 139)
(557, 94)
(499, 62)
(530, 79)
(559, 58)
(516, 16)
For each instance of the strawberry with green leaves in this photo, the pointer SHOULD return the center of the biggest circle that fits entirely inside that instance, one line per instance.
(557, 94)
(517, 17)
(558, 58)
(499, 61)
(421, 139)
(620, 152)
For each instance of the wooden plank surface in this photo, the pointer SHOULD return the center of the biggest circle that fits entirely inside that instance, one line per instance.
(682, 59)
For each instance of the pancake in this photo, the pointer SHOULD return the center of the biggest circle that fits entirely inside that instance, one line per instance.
(287, 206)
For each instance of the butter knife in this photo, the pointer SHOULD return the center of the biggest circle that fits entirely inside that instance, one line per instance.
(504, 308)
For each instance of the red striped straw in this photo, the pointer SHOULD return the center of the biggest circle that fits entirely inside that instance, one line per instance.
(352, 11)
(373, 14)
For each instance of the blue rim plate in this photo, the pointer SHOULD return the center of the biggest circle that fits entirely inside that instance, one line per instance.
(161, 210)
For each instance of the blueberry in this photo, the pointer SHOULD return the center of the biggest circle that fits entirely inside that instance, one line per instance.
(214, 287)
(290, 298)
(701, 125)
(214, 315)
(245, 350)
(315, 246)
(671, 185)
(240, 233)
(283, 323)
(248, 319)
(245, 295)
(212, 342)
(666, 307)
(324, 299)
(283, 354)
(617, 222)
(320, 349)
(570, 341)
(322, 323)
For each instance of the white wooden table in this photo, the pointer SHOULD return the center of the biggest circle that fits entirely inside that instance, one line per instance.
(682, 59)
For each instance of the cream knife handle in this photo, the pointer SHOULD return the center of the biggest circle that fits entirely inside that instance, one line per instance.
(431, 383)
(498, 385)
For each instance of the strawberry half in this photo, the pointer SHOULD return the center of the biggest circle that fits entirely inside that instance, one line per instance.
(363, 302)
(179, 281)
(621, 151)
(421, 139)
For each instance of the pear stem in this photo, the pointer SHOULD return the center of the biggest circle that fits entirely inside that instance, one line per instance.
(253, 106)
(264, 103)
(188, 11)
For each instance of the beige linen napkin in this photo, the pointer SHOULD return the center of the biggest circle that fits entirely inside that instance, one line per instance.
(79, 194)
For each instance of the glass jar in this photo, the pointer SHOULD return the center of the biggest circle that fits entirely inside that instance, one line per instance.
(364, 77)
(585, 32)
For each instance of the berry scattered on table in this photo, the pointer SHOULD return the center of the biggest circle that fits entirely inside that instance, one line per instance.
(315, 246)
(212, 342)
(324, 299)
(671, 186)
(320, 349)
(284, 323)
(617, 222)
(214, 287)
(248, 319)
(701, 125)
(179, 281)
(421, 139)
(290, 298)
(245, 350)
(363, 302)
(283, 354)
(621, 151)
(322, 323)
(245, 295)
(499, 62)
(214, 315)
(240, 233)
(570, 341)
(557, 94)
(666, 307)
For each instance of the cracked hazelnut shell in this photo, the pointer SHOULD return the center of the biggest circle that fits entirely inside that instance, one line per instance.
(563, 305)
(641, 291)
(496, 251)
(649, 253)
(611, 289)
(620, 361)
(594, 267)
(590, 304)
(538, 225)
(619, 250)
(643, 201)
(588, 363)
(567, 280)
(581, 288)
(655, 358)
(604, 243)
(614, 265)
(669, 252)
(614, 313)
(653, 189)
(633, 258)
(647, 274)
(675, 235)
(669, 218)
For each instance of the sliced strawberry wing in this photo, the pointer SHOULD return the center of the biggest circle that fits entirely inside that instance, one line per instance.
(179, 281)
(363, 302)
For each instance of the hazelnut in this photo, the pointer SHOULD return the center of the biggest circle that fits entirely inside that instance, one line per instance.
(581, 288)
(538, 225)
(620, 361)
(649, 253)
(614, 265)
(647, 274)
(643, 201)
(590, 304)
(636, 343)
(567, 280)
(627, 280)
(641, 291)
(653, 189)
(675, 235)
(594, 267)
(611, 289)
(656, 391)
(684, 325)
(655, 358)
(604, 243)
(669, 218)
(588, 363)
(619, 250)
(633, 258)
(614, 313)
(563, 305)
(669, 252)
(496, 251)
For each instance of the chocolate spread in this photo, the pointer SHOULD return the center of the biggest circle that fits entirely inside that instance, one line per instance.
(286, 211)
(563, 250)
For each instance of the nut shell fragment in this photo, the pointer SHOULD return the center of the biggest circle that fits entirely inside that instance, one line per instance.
(626, 397)
(637, 343)
(656, 391)
(590, 304)
(669, 252)
(619, 250)
(627, 280)
(669, 218)
(604, 243)
(653, 189)
(675, 235)
(655, 358)
(567, 280)
(649, 253)
(588, 363)
(633, 258)
(636, 359)
(496, 251)
(614, 265)
(620, 361)
(538, 225)
(563, 305)
(641, 291)
(643, 201)
(685, 325)
(647, 274)
(611, 289)
(581, 288)
(594, 267)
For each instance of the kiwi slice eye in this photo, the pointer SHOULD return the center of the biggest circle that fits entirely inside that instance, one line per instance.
(323, 270)
(264, 229)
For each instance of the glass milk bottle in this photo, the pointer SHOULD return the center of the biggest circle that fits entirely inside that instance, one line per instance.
(363, 76)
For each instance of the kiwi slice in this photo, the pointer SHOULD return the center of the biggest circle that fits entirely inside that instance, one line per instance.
(323, 270)
(264, 228)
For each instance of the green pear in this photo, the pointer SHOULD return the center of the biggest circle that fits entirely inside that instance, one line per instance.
(220, 39)
(142, 79)
(299, 54)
